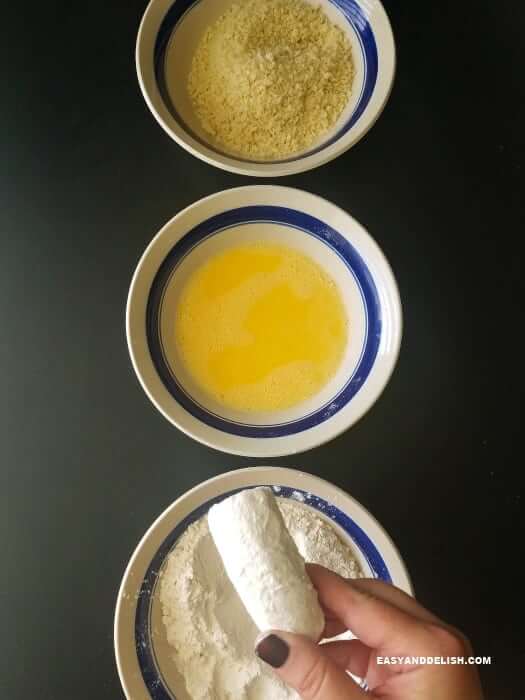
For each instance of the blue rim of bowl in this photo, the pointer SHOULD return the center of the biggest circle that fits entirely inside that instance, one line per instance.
(148, 664)
(360, 25)
(302, 222)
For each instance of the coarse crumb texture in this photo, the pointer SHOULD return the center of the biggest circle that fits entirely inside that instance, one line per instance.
(270, 77)
(318, 542)
(211, 634)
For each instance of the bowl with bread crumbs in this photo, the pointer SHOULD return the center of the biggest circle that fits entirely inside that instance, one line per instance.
(263, 321)
(265, 87)
(182, 631)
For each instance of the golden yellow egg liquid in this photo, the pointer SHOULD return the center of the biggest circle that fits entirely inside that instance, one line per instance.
(260, 327)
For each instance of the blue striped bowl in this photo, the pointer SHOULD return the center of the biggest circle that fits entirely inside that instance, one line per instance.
(143, 655)
(179, 25)
(313, 226)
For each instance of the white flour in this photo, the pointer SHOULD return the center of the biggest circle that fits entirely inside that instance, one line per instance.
(210, 632)
(264, 564)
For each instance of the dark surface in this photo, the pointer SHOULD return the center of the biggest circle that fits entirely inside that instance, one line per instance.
(88, 179)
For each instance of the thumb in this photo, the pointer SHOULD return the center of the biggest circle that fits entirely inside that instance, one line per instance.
(301, 663)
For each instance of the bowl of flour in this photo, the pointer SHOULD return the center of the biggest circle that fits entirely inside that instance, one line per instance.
(265, 87)
(181, 631)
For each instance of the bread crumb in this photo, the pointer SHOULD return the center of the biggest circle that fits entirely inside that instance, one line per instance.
(270, 77)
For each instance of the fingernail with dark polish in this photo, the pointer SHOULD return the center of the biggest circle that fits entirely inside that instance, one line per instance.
(273, 650)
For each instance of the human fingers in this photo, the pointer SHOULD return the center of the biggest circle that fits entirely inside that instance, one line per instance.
(379, 589)
(305, 666)
(397, 597)
(377, 622)
(375, 587)
(350, 654)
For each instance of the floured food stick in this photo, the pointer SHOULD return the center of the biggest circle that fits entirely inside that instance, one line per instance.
(264, 565)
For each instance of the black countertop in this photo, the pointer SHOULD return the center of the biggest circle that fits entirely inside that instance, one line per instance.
(89, 178)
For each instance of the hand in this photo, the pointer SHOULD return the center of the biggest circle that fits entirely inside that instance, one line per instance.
(388, 623)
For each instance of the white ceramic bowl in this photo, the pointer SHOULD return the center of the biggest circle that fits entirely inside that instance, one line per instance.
(175, 27)
(143, 655)
(302, 221)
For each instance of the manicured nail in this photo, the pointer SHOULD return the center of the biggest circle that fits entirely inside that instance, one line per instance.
(273, 650)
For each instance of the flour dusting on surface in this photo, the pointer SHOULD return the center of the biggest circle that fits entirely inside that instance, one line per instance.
(211, 634)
